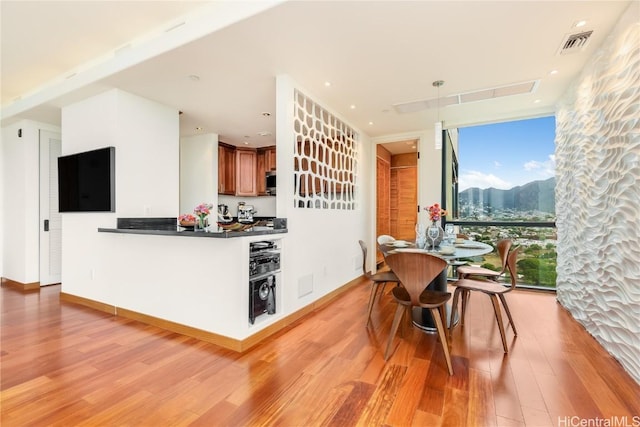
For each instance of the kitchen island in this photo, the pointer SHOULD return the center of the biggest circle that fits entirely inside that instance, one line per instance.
(197, 286)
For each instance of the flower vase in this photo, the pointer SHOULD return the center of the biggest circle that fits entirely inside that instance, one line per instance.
(201, 224)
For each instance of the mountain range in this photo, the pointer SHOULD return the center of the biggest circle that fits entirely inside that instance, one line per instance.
(532, 196)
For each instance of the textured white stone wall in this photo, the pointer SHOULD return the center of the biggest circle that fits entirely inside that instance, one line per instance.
(598, 195)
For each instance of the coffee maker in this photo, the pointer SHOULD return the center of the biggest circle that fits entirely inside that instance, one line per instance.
(223, 214)
(245, 212)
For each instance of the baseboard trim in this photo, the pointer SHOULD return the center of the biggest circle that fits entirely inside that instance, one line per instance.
(8, 283)
(96, 305)
(210, 337)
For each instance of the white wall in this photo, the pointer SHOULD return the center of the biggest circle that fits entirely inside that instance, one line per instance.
(198, 171)
(321, 248)
(146, 137)
(598, 194)
(20, 201)
(2, 204)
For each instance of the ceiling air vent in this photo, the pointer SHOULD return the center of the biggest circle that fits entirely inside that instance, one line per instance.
(575, 42)
(466, 97)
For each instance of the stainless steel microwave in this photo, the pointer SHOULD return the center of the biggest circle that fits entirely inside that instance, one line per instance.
(270, 178)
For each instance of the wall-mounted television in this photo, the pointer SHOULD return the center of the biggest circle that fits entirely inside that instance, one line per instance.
(87, 181)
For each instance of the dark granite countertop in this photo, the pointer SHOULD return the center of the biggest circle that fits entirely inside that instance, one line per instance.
(189, 233)
(169, 227)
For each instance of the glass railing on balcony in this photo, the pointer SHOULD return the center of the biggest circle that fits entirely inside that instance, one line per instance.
(537, 258)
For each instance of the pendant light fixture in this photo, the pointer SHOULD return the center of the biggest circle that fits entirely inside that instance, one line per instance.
(438, 124)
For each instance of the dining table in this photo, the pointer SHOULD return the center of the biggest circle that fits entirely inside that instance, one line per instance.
(461, 249)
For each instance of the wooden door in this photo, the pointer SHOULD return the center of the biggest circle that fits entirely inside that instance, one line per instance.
(50, 218)
(404, 202)
(383, 195)
(404, 195)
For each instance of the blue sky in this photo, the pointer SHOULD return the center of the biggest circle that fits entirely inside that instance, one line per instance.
(505, 155)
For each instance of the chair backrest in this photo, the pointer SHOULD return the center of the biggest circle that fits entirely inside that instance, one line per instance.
(415, 270)
(385, 238)
(512, 267)
(363, 246)
(504, 245)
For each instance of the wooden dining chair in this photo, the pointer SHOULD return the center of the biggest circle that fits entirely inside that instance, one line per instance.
(415, 271)
(496, 291)
(467, 271)
(385, 238)
(379, 280)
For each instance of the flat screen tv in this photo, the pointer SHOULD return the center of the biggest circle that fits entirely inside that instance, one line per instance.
(86, 181)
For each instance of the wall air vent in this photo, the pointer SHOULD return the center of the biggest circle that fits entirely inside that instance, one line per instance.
(574, 42)
(467, 97)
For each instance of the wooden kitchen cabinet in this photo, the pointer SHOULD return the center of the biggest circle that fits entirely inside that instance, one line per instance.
(265, 162)
(246, 172)
(241, 171)
(261, 183)
(226, 169)
(270, 158)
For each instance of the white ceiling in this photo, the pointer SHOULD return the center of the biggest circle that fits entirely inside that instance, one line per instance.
(375, 54)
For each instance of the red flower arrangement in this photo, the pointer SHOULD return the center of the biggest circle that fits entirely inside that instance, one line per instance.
(435, 212)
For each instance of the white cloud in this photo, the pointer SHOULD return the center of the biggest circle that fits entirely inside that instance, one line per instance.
(529, 166)
(545, 169)
(478, 179)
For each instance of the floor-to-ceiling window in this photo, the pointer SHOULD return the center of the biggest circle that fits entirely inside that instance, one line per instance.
(499, 182)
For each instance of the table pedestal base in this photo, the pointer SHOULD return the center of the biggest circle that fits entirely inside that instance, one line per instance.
(422, 319)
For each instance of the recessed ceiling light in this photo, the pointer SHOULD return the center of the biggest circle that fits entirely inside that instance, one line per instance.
(246, 143)
(580, 23)
(327, 84)
(266, 114)
(537, 101)
(370, 123)
(552, 72)
(198, 129)
(193, 77)
(264, 133)
(353, 107)
(247, 137)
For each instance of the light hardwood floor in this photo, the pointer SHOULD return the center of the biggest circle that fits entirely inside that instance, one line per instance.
(67, 365)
